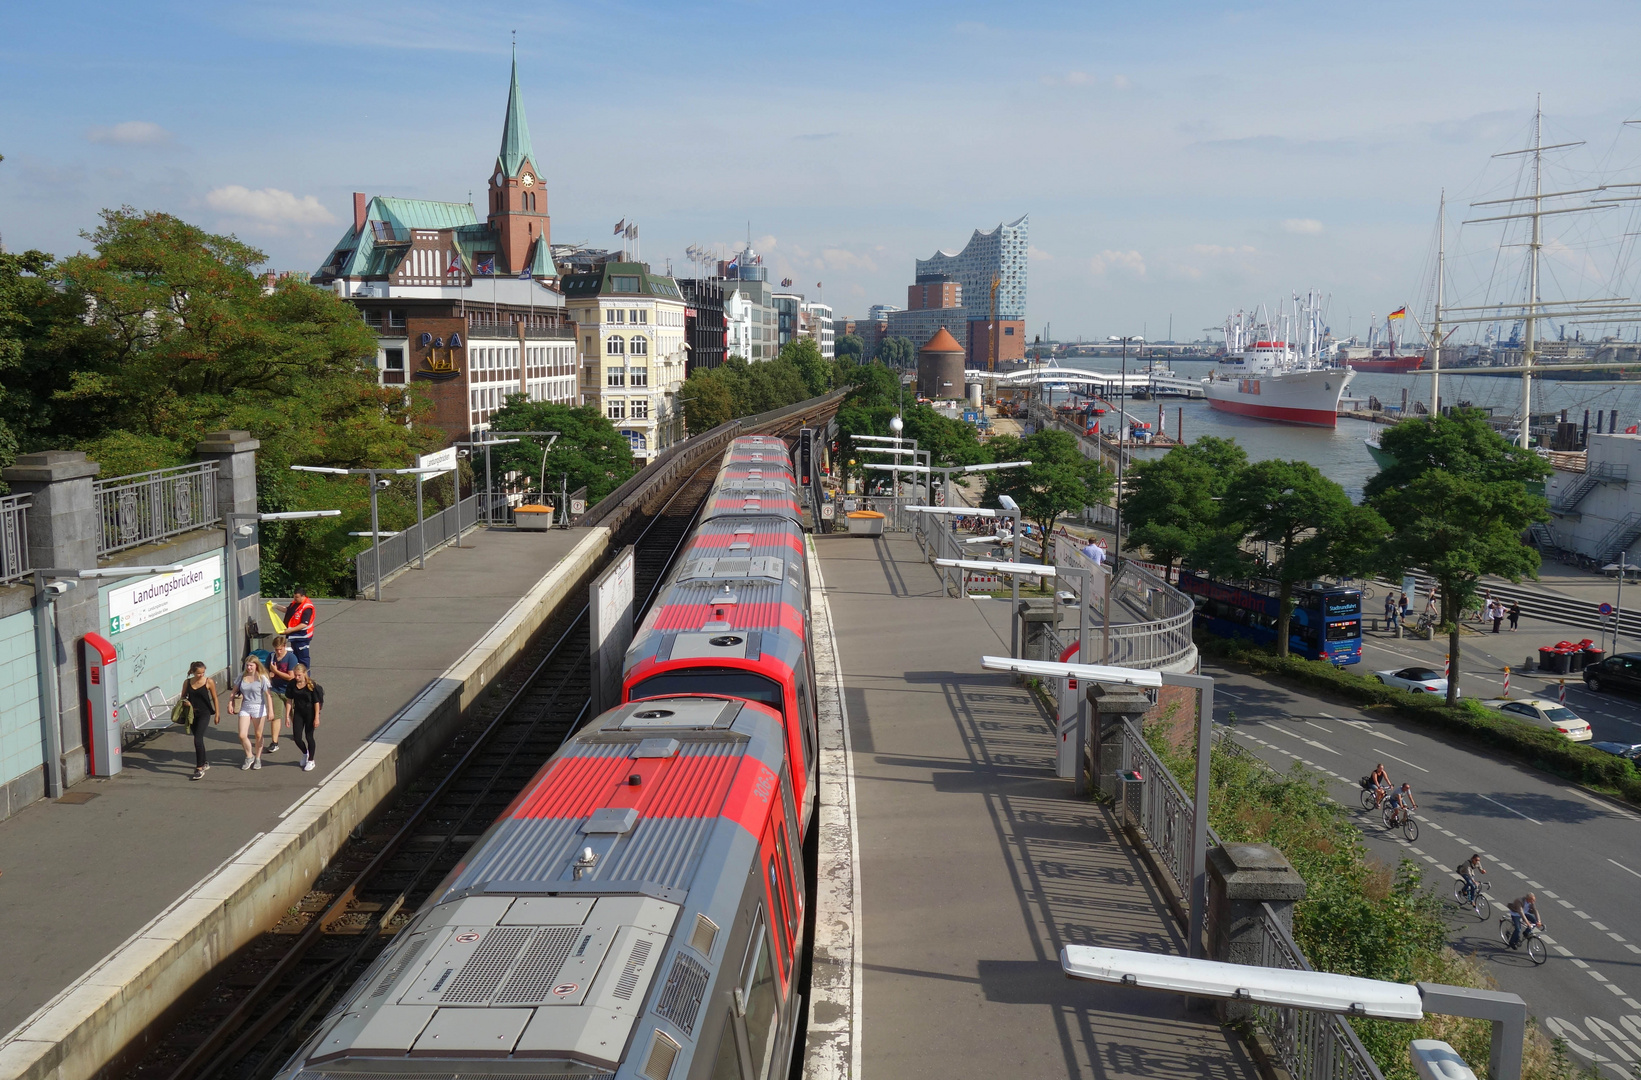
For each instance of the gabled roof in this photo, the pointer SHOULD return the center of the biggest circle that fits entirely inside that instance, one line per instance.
(376, 253)
(541, 260)
(621, 279)
(515, 132)
(942, 342)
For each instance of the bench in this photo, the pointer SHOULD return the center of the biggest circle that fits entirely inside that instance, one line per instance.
(151, 711)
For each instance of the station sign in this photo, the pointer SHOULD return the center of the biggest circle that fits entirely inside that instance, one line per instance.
(150, 598)
(443, 459)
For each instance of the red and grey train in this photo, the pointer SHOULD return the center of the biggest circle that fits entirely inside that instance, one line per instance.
(638, 911)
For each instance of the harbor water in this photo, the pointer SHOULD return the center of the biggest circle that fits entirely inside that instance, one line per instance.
(1340, 453)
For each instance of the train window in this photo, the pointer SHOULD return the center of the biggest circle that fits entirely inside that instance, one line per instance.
(783, 919)
(806, 718)
(728, 1064)
(788, 873)
(723, 682)
(761, 1013)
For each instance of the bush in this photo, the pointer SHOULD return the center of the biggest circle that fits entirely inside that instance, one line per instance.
(1538, 747)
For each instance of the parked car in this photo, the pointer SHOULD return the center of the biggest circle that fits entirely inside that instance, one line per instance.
(1620, 749)
(1541, 712)
(1620, 672)
(1419, 680)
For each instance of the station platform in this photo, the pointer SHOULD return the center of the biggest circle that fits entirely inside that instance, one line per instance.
(128, 872)
(975, 864)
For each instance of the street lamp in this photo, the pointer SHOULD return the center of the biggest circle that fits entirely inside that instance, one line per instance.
(377, 484)
(50, 583)
(1122, 429)
(230, 584)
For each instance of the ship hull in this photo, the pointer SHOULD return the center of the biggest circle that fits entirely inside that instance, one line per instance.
(1306, 398)
(1389, 365)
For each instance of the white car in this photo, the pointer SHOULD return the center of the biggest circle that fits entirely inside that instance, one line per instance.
(1544, 713)
(1419, 680)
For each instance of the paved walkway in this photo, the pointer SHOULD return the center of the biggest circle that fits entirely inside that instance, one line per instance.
(976, 865)
(77, 879)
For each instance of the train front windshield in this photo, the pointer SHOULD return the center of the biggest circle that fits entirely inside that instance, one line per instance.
(720, 682)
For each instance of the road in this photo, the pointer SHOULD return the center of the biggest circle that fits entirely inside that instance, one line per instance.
(1580, 853)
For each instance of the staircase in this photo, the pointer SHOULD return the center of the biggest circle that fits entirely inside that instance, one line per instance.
(1602, 472)
(1542, 536)
(1620, 537)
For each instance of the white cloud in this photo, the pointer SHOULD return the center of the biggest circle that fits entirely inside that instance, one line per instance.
(1037, 254)
(1221, 249)
(1131, 262)
(269, 205)
(840, 259)
(1120, 82)
(131, 133)
(1303, 226)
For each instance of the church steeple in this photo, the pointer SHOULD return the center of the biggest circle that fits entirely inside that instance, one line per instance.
(518, 194)
(515, 132)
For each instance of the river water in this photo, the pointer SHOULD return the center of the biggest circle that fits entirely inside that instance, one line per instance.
(1340, 453)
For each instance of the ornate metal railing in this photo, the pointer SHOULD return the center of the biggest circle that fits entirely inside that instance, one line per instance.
(14, 560)
(145, 507)
(1310, 1045)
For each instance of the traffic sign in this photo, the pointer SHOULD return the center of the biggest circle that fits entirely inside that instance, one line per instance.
(1605, 609)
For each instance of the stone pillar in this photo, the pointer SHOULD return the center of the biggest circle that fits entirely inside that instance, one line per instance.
(1110, 706)
(235, 455)
(1038, 619)
(62, 534)
(1240, 878)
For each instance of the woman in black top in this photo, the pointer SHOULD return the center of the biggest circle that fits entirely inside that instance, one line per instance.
(307, 700)
(201, 693)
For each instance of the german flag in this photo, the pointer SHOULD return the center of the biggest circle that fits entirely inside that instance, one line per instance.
(1399, 313)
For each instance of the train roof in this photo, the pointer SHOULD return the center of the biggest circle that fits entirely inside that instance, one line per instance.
(624, 857)
(755, 479)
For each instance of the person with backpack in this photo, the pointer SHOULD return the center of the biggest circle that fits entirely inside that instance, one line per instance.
(200, 693)
(281, 666)
(307, 699)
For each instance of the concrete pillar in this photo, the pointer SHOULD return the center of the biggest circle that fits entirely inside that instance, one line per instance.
(235, 455)
(63, 527)
(1240, 878)
(1039, 618)
(1110, 706)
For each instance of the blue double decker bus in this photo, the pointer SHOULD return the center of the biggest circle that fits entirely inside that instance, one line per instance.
(1326, 622)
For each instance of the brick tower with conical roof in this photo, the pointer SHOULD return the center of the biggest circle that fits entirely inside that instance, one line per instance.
(518, 194)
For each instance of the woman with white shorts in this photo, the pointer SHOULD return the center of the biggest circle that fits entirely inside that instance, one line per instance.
(253, 701)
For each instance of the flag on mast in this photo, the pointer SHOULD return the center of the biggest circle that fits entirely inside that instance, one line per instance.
(620, 227)
(1399, 313)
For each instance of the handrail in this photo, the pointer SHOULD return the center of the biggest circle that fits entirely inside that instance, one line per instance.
(14, 557)
(148, 506)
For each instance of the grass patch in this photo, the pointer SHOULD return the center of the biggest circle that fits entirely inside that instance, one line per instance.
(1469, 720)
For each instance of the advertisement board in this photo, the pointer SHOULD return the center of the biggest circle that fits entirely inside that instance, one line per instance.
(612, 618)
(154, 597)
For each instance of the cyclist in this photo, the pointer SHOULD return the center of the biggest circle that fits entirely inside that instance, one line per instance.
(1379, 781)
(1468, 871)
(1402, 801)
(1523, 912)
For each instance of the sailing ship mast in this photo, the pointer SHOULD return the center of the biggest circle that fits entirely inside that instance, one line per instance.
(1530, 340)
(1436, 324)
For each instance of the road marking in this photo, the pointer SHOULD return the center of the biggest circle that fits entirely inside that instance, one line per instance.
(1430, 860)
(1519, 874)
(1512, 809)
(1409, 764)
(1615, 937)
(1598, 926)
(1365, 726)
(1582, 914)
(1415, 851)
(1546, 892)
(1534, 884)
(1464, 843)
(1624, 868)
(1563, 950)
(1319, 727)
(1505, 866)
(1632, 948)
(1609, 807)
(1579, 963)
(1565, 904)
(1632, 1003)
(1596, 975)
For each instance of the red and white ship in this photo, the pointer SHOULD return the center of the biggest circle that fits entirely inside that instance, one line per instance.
(1265, 380)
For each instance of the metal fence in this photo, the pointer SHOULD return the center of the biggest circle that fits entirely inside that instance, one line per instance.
(1150, 619)
(145, 507)
(1310, 1045)
(14, 561)
(401, 549)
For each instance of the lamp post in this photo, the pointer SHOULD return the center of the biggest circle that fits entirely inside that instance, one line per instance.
(1122, 429)
(50, 583)
(236, 525)
(377, 484)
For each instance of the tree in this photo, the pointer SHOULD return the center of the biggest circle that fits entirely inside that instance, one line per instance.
(1171, 505)
(1314, 528)
(24, 293)
(1457, 502)
(814, 368)
(1058, 481)
(897, 352)
(589, 450)
(849, 345)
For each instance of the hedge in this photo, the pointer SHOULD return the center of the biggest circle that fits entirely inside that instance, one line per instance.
(1470, 720)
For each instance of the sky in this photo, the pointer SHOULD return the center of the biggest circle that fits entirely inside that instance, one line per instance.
(1177, 160)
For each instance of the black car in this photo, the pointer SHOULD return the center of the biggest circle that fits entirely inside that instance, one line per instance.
(1619, 749)
(1621, 672)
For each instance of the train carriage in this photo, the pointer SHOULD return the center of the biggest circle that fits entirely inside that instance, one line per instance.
(755, 479)
(637, 912)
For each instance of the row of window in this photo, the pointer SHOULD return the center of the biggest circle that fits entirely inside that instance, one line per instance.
(620, 409)
(617, 345)
(375, 317)
(636, 316)
(484, 401)
(618, 376)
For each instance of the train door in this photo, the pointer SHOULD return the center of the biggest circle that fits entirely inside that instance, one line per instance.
(749, 1038)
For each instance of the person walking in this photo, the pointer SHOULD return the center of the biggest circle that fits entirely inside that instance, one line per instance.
(200, 693)
(250, 701)
(1390, 612)
(1515, 615)
(307, 700)
(281, 665)
(1486, 608)
(299, 617)
(1405, 608)
(1498, 615)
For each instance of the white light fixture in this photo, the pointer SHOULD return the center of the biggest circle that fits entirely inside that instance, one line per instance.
(1100, 673)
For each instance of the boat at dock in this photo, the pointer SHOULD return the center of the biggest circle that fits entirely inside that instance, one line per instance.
(1263, 376)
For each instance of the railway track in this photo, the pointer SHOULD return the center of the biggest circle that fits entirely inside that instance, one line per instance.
(280, 987)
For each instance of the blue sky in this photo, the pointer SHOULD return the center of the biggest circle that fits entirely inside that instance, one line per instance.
(1177, 159)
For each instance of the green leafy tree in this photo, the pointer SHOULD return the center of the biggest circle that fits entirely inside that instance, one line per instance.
(849, 345)
(1171, 505)
(24, 295)
(1457, 502)
(897, 352)
(814, 368)
(1311, 526)
(589, 450)
(1059, 479)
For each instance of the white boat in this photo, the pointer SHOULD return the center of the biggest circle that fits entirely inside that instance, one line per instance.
(1266, 381)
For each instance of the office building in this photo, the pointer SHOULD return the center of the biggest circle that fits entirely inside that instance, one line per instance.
(705, 332)
(469, 307)
(992, 262)
(788, 318)
(816, 323)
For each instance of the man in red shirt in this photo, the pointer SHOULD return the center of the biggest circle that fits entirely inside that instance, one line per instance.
(299, 619)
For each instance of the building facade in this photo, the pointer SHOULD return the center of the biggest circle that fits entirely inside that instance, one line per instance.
(705, 332)
(631, 326)
(992, 260)
(468, 308)
(788, 318)
(817, 325)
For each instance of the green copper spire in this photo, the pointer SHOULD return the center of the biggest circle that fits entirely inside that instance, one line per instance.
(515, 134)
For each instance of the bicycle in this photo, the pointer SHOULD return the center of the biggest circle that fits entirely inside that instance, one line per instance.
(1372, 794)
(1475, 898)
(1402, 816)
(1530, 939)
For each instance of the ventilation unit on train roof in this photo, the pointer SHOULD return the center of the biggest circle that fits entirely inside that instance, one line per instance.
(673, 713)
